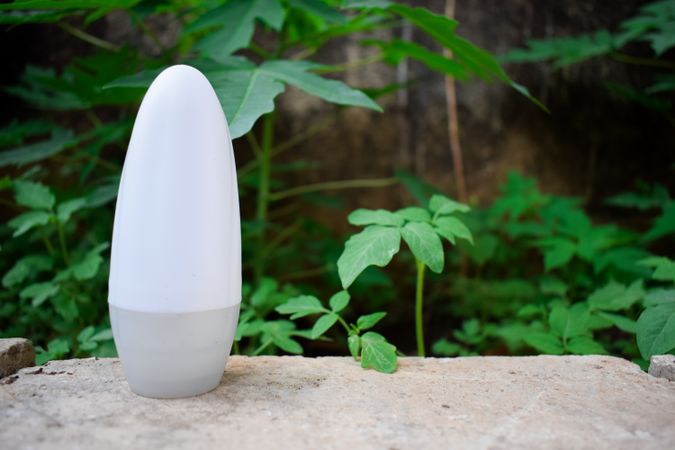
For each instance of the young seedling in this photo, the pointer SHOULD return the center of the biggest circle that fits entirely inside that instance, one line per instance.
(370, 347)
(421, 228)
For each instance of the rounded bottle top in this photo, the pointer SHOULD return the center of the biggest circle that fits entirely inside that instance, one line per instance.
(176, 237)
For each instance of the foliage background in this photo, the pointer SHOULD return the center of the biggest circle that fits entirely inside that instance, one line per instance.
(597, 142)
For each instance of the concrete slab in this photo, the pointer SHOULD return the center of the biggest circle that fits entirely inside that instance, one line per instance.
(579, 402)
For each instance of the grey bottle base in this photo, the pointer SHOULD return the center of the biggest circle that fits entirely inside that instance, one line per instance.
(173, 355)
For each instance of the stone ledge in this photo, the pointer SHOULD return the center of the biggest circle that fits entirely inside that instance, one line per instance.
(663, 366)
(15, 354)
(306, 403)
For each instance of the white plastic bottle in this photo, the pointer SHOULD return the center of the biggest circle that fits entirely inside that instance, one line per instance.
(175, 274)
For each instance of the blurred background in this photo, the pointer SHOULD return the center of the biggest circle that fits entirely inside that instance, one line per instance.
(569, 185)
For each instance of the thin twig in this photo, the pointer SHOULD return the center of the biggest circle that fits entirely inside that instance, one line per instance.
(453, 121)
(638, 61)
(93, 40)
(333, 185)
(290, 143)
(309, 273)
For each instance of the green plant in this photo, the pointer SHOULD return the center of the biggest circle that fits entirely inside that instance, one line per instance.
(75, 149)
(543, 276)
(421, 228)
(653, 25)
(656, 324)
(370, 347)
(69, 298)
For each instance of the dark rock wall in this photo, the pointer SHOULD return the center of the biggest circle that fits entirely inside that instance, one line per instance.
(591, 145)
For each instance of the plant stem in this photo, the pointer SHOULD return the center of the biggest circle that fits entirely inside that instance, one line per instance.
(419, 303)
(638, 61)
(332, 185)
(147, 30)
(265, 159)
(48, 244)
(453, 120)
(93, 40)
(62, 242)
(350, 64)
(264, 345)
(343, 323)
(292, 142)
(253, 142)
(305, 273)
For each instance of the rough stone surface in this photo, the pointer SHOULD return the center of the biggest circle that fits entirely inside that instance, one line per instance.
(663, 366)
(15, 354)
(579, 402)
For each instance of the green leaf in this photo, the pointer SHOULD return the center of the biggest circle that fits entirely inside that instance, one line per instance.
(39, 292)
(375, 245)
(374, 217)
(621, 322)
(141, 79)
(66, 209)
(354, 344)
(235, 22)
(557, 252)
(473, 59)
(444, 347)
(103, 335)
(319, 9)
(564, 51)
(396, 50)
(262, 296)
(584, 345)
(301, 306)
(339, 301)
(377, 353)
(553, 286)
(60, 140)
(88, 267)
(33, 195)
(528, 311)
(451, 228)
(664, 268)
(658, 296)
(615, 296)
(664, 225)
(414, 214)
(85, 334)
(24, 267)
(369, 320)
(57, 348)
(279, 332)
(480, 252)
(647, 198)
(425, 244)
(297, 74)
(247, 91)
(323, 324)
(442, 205)
(245, 95)
(28, 220)
(544, 342)
(366, 4)
(656, 330)
(66, 306)
(437, 26)
(569, 322)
